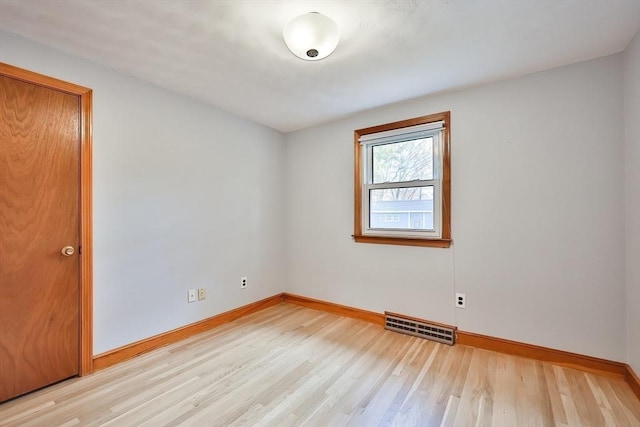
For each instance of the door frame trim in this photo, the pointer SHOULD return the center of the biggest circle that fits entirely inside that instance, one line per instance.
(86, 212)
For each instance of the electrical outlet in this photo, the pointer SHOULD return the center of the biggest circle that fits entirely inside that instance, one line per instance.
(243, 282)
(201, 294)
(461, 300)
(191, 295)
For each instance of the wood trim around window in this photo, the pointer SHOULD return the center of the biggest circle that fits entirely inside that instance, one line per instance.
(86, 234)
(445, 240)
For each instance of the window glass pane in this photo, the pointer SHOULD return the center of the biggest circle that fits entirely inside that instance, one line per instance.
(401, 208)
(403, 161)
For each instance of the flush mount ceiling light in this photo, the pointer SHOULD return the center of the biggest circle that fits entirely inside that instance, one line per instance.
(311, 36)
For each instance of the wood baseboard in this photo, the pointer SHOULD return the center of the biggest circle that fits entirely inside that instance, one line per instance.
(632, 379)
(120, 354)
(557, 357)
(545, 354)
(343, 310)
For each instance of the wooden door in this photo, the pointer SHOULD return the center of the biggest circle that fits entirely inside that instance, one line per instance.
(40, 137)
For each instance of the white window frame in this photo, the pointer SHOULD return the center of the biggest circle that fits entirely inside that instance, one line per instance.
(432, 130)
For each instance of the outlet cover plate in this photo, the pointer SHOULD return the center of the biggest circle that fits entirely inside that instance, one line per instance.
(461, 300)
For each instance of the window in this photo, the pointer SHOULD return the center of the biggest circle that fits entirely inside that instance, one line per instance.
(389, 218)
(402, 182)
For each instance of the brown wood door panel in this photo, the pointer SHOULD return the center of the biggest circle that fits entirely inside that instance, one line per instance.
(39, 214)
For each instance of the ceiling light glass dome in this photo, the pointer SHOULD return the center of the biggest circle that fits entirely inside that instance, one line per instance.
(311, 36)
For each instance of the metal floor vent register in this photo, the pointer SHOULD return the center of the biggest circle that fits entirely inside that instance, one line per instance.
(429, 331)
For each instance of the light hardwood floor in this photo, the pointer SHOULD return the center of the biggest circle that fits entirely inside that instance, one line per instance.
(289, 365)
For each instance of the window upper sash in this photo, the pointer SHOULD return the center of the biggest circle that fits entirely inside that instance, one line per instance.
(401, 134)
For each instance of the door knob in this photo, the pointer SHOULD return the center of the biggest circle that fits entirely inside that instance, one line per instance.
(68, 251)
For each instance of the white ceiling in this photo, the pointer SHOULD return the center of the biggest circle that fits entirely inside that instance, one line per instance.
(231, 54)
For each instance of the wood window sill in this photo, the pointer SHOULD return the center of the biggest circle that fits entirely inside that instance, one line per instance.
(403, 241)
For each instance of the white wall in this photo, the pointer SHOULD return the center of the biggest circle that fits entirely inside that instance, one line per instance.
(185, 196)
(538, 208)
(537, 219)
(632, 181)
